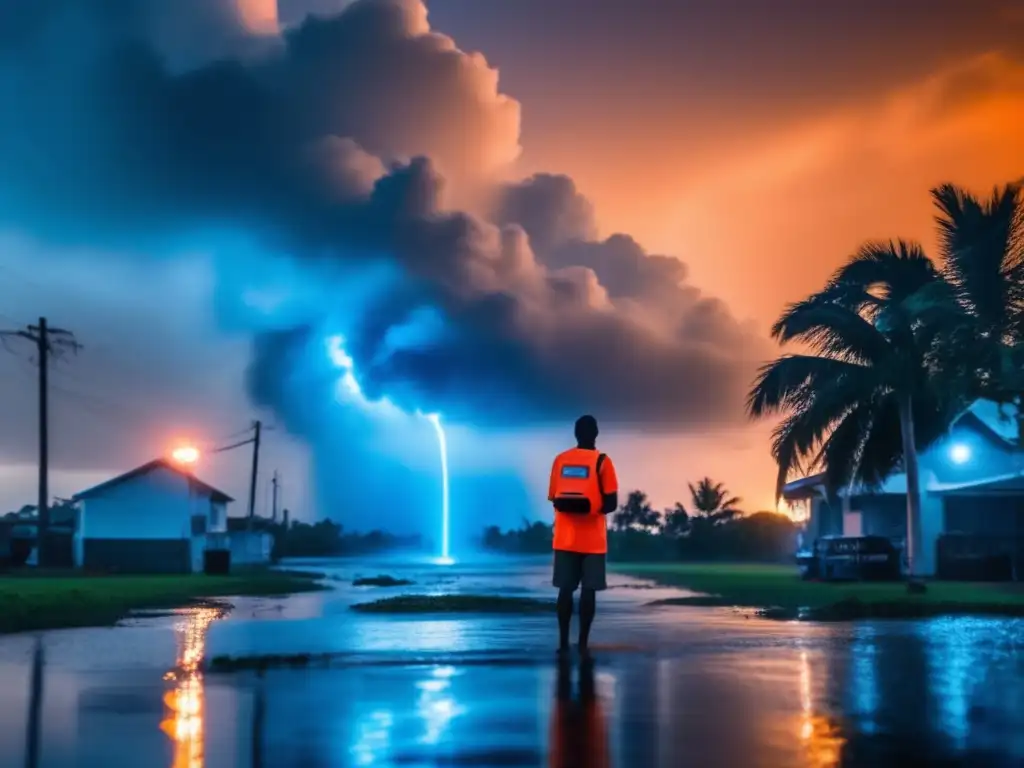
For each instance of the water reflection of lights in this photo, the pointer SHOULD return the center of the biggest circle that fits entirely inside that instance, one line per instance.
(436, 705)
(184, 701)
(951, 650)
(373, 737)
(864, 682)
(421, 636)
(823, 744)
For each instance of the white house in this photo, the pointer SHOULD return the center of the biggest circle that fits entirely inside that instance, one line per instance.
(157, 518)
(972, 489)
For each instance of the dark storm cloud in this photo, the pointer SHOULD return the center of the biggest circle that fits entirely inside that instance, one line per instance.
(541, 319)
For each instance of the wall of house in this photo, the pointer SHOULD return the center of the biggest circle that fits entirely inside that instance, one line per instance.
(981, 515)
(882, 514)
(151, 506)
(250, 548)
(218, 517)
(826, 519)
(138, 555)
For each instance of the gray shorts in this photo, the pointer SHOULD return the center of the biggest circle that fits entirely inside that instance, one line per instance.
(575, 569)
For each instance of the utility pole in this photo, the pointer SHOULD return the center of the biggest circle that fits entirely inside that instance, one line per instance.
(273, 505)
(48, 341)
(257, 426)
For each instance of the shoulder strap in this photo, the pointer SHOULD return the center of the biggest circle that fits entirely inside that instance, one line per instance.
(600, 460)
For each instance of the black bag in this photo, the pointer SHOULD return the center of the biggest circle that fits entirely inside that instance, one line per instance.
(575, 504)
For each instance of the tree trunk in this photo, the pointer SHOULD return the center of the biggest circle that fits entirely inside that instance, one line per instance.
(913, 489)
(1019, 406)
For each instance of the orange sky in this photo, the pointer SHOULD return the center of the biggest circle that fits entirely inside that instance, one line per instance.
(763, 221)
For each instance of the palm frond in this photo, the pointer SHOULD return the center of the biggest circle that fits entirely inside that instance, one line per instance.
(832, 330)
(891, 271)
(842, 451)
(983, 251)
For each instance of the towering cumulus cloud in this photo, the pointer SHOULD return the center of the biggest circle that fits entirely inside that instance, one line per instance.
(332, 143)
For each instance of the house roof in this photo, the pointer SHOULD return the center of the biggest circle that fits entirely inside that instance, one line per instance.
(998, 420)
(803, 488)
(145, 469)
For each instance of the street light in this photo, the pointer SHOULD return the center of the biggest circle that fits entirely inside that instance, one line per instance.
(186, 454)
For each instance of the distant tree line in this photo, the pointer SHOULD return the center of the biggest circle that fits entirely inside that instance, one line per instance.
(326, 538)
(712, 528)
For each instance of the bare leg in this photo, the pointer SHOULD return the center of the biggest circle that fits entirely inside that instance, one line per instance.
(564, 618)
(588, 607)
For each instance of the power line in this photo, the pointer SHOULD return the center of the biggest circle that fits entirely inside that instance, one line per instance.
(49, 342)
(257, 430)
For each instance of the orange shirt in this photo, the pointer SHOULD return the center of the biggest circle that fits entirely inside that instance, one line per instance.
(575, 471)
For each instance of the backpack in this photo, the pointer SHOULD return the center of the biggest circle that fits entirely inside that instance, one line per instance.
(578, 504)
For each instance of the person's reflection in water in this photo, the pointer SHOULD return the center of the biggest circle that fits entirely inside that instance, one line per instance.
(184, 701)
(579, 737)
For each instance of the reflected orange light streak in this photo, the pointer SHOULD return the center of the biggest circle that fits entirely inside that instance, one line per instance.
(183, 722)
(822, 741)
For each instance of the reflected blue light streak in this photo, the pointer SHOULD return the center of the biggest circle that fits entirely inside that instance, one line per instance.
(436, 704)
(865, 676)
(373, 740)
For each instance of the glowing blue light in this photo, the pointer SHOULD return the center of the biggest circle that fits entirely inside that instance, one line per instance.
(959, 453)
(442, 445)
(348, 384)
(349, 389)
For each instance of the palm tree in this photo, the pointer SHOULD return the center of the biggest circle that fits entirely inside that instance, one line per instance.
(713, 501)
(862, 401)
(675, 521)
(636, 514)
(982, 251)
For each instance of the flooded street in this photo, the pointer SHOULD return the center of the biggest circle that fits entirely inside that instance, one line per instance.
(670, 686)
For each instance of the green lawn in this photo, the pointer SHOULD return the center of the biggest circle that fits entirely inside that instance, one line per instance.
(33, 602)
(780, 589)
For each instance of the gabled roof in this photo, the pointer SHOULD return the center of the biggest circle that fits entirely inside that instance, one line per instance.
(999, 420)
(194, 482)
(804, 487)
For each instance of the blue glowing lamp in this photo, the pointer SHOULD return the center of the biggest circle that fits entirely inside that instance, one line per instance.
(959, 453)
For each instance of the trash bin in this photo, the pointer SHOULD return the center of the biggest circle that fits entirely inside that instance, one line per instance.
(217, 562)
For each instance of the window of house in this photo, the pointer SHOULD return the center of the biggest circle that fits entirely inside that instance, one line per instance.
(198, 524)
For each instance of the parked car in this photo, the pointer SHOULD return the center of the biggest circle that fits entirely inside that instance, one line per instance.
(857, 558)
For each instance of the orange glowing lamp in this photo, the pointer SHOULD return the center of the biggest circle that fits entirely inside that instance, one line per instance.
(186, 454)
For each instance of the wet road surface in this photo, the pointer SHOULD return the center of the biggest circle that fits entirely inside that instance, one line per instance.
(669, 687)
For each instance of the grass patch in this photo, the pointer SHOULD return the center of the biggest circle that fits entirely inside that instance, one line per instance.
(34, 602)
(381, 581)
(455, 604)
(779, 592)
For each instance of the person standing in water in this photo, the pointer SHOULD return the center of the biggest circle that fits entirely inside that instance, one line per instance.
(583, 489)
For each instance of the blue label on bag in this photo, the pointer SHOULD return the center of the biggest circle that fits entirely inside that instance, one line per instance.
(576, 471)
